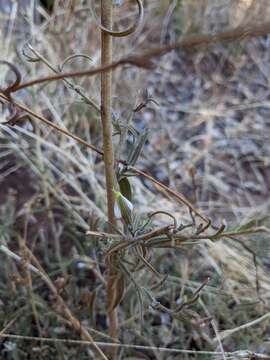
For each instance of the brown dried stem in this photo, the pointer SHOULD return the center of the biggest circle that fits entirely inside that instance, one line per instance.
(144, 60)
(106, 96)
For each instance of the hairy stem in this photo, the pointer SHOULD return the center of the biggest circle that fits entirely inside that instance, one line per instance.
(106, 95)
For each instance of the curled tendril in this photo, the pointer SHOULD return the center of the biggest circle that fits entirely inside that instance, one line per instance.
(17, 80)
(127, 31)
(13, 110)
(29, 58)
(71, 57)
(165, 213)
(13, 113)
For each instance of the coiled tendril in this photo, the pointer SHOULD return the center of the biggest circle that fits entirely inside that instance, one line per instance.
(127, 31)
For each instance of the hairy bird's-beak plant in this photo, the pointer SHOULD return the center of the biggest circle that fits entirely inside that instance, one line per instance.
(131, 238)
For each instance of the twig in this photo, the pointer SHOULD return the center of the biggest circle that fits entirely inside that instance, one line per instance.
(224, 334)
(54, 126)
(179, 197)
(144, 60)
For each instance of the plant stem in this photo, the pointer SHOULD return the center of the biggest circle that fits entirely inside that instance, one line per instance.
(106, 90)
(106, 95)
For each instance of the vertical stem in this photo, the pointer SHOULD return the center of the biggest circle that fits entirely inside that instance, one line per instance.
(106, 92)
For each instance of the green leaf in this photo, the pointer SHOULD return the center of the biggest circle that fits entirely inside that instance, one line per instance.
(137, 148)
(248, 225)
(125, 188)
